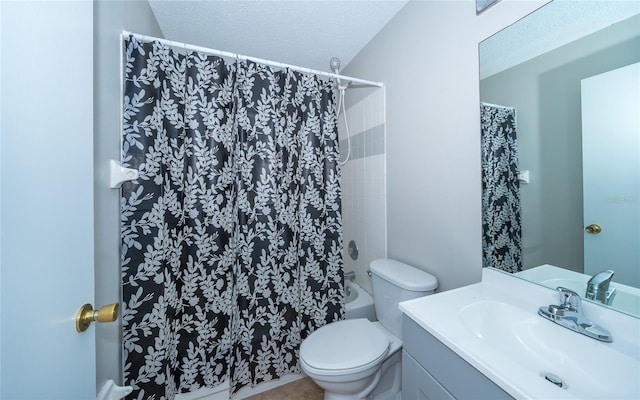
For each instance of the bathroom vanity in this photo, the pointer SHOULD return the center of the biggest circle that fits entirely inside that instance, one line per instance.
(487, 341)
(430, 370)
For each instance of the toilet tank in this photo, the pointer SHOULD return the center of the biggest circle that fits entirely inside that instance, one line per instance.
(394, 282)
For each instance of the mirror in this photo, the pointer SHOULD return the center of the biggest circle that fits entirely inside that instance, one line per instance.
(482, 5)
(537, 67)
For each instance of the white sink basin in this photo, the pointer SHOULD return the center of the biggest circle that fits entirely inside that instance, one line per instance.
(537, 346)
(495, 327)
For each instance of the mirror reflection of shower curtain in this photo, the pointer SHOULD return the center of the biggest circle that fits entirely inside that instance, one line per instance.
(501, 221)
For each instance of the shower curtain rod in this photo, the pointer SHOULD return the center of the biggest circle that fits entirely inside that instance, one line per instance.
(482, 103)
(221, 53)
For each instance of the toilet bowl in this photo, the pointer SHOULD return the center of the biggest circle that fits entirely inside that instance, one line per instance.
(357, 359)
(344, 357)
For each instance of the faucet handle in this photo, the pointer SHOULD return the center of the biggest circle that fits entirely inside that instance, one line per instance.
(609, 296)
(569, 299)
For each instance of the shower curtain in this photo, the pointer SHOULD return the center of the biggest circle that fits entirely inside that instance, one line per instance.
(232, 235)
(501, 223)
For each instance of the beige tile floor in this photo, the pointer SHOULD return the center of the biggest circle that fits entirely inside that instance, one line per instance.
(302, 389)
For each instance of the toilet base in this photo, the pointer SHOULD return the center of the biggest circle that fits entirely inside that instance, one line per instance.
(334, 391)
(387, 385)
(390, 385)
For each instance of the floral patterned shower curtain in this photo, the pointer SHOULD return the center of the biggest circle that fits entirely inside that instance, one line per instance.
(501, 221)
(232, 235)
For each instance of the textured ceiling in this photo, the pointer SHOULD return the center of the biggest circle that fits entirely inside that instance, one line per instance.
(306, 33)
(554, 25)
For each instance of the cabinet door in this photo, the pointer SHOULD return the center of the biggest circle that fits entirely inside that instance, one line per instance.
(457, 378)
(418, 384)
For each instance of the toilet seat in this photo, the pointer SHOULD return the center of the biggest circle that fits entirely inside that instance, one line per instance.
(344, 347)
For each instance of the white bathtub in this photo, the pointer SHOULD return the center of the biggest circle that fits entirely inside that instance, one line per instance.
(359, 304)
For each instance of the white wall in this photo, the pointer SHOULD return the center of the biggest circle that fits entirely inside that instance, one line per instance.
(110, 18)
(427, 56)
(363, 183)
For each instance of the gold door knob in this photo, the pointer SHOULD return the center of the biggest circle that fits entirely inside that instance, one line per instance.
(86, 315)
(593, 228)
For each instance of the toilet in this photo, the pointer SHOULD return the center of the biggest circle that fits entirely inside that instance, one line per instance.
(358, 359)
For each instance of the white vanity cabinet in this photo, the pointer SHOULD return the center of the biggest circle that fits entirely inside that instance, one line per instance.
(430, 370)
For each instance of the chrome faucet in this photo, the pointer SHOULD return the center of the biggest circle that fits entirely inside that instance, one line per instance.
(351, 275)
(569, 315)
(598, 287)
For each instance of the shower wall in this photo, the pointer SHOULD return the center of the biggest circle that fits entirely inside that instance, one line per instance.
(364, 183)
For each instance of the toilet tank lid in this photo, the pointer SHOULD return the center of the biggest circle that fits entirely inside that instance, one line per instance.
(403, 275)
